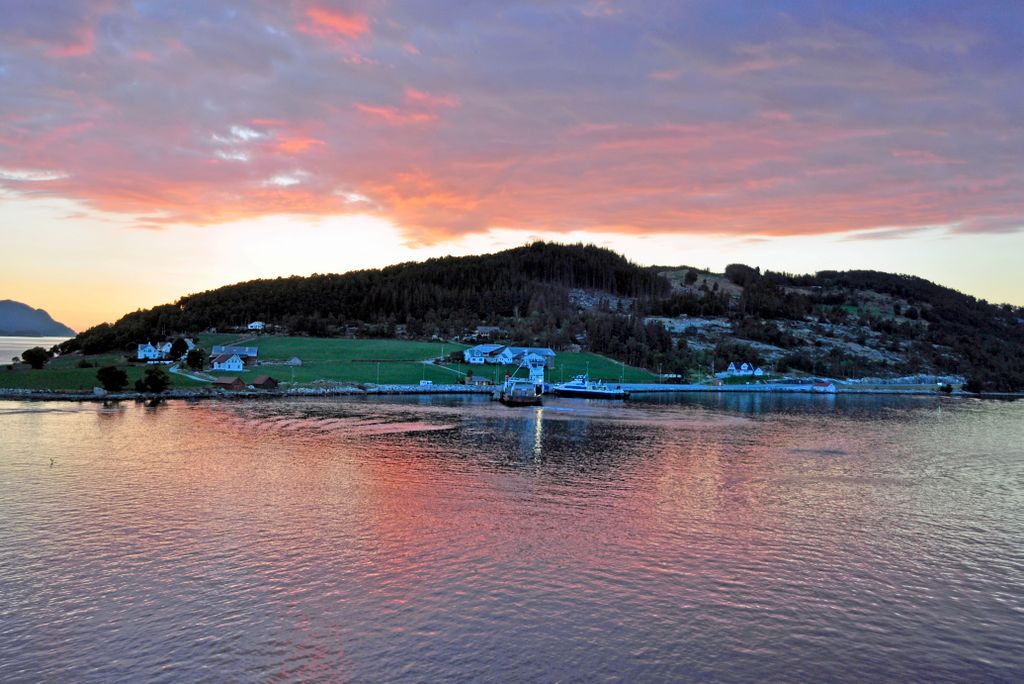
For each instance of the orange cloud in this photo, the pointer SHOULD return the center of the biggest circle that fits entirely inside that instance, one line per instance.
(297, 145)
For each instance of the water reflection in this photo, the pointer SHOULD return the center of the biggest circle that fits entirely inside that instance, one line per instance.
(710, 536)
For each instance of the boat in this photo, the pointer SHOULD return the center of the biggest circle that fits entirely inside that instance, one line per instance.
(583, 387)
(523, 391)
(519, 392)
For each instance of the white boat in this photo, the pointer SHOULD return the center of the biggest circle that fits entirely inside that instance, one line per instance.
(583, 387)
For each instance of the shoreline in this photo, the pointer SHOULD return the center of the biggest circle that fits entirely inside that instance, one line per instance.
(411, 390)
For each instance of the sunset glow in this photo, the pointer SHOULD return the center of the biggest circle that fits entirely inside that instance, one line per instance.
(149, 150)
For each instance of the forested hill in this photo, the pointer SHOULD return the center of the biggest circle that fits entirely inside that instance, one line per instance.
(437, 294)
(851, 324)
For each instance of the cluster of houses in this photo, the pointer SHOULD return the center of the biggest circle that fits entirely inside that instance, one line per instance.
(160, 352)
(741, 370)
(505, 355)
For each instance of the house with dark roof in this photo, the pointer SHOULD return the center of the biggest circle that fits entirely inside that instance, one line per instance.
(263, 382)
(484, 353)
(230, 382)
(230, 358)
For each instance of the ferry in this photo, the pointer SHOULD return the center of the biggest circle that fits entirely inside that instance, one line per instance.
(519, 392)
(584, 388)
(523, 391)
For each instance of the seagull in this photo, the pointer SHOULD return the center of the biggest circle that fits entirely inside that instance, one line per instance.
(51, 462)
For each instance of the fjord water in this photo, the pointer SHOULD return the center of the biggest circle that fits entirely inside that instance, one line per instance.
(15, 346)
(733, 538)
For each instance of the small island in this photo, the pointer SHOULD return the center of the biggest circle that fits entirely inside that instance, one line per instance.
(463, 325)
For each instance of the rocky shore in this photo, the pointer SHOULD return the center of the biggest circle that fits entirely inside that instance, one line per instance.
(383, 390)
(209, 393)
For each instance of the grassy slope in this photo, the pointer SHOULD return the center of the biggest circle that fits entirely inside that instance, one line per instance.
(62, 373)
(336, 360)
(339, 360)
(343, 360)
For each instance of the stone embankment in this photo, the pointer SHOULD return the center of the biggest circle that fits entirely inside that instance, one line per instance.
(210, 393)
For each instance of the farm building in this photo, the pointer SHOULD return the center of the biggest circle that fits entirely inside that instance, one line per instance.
(264, 382)
(247, 354)
(483, 353)
(533, 354)
(501, 354)
(231, 382)
(228, 362)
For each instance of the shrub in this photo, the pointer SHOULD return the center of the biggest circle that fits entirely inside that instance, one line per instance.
(112, 378)
(974, 385)
(156, 379)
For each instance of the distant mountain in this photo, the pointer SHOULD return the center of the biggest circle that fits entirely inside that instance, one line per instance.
(21, 320)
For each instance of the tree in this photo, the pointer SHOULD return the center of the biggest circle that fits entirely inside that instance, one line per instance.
(196, 359)
(36, 357)
(178, 348)
(155, 379)
(974, 385)
(691, 277)
(112, 378)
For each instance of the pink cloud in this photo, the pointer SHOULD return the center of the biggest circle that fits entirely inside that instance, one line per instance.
(328, 23)
(394, 115)
(418, 97)
(297, 145)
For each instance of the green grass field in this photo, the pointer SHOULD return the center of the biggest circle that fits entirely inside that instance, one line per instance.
(385, 362)
(63, 373)
(359, 361)
(399, 361)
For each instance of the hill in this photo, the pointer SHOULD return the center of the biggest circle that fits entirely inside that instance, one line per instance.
(850, 324)
(21, 320)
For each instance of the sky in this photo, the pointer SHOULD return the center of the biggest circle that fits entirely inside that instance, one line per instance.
(153, 149)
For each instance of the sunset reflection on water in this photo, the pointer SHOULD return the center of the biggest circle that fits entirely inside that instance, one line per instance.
(730, 537)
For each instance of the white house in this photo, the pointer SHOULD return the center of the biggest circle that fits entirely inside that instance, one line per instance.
(229, 362)
(826, 386)
(500, 354)
(744, 369)
(149, 352)
(222, 355)
(165, 348)
(482, 353)
(257, 325)
(545, 354)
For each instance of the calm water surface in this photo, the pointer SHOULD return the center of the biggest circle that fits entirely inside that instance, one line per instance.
(16, 346)
(735, 538)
